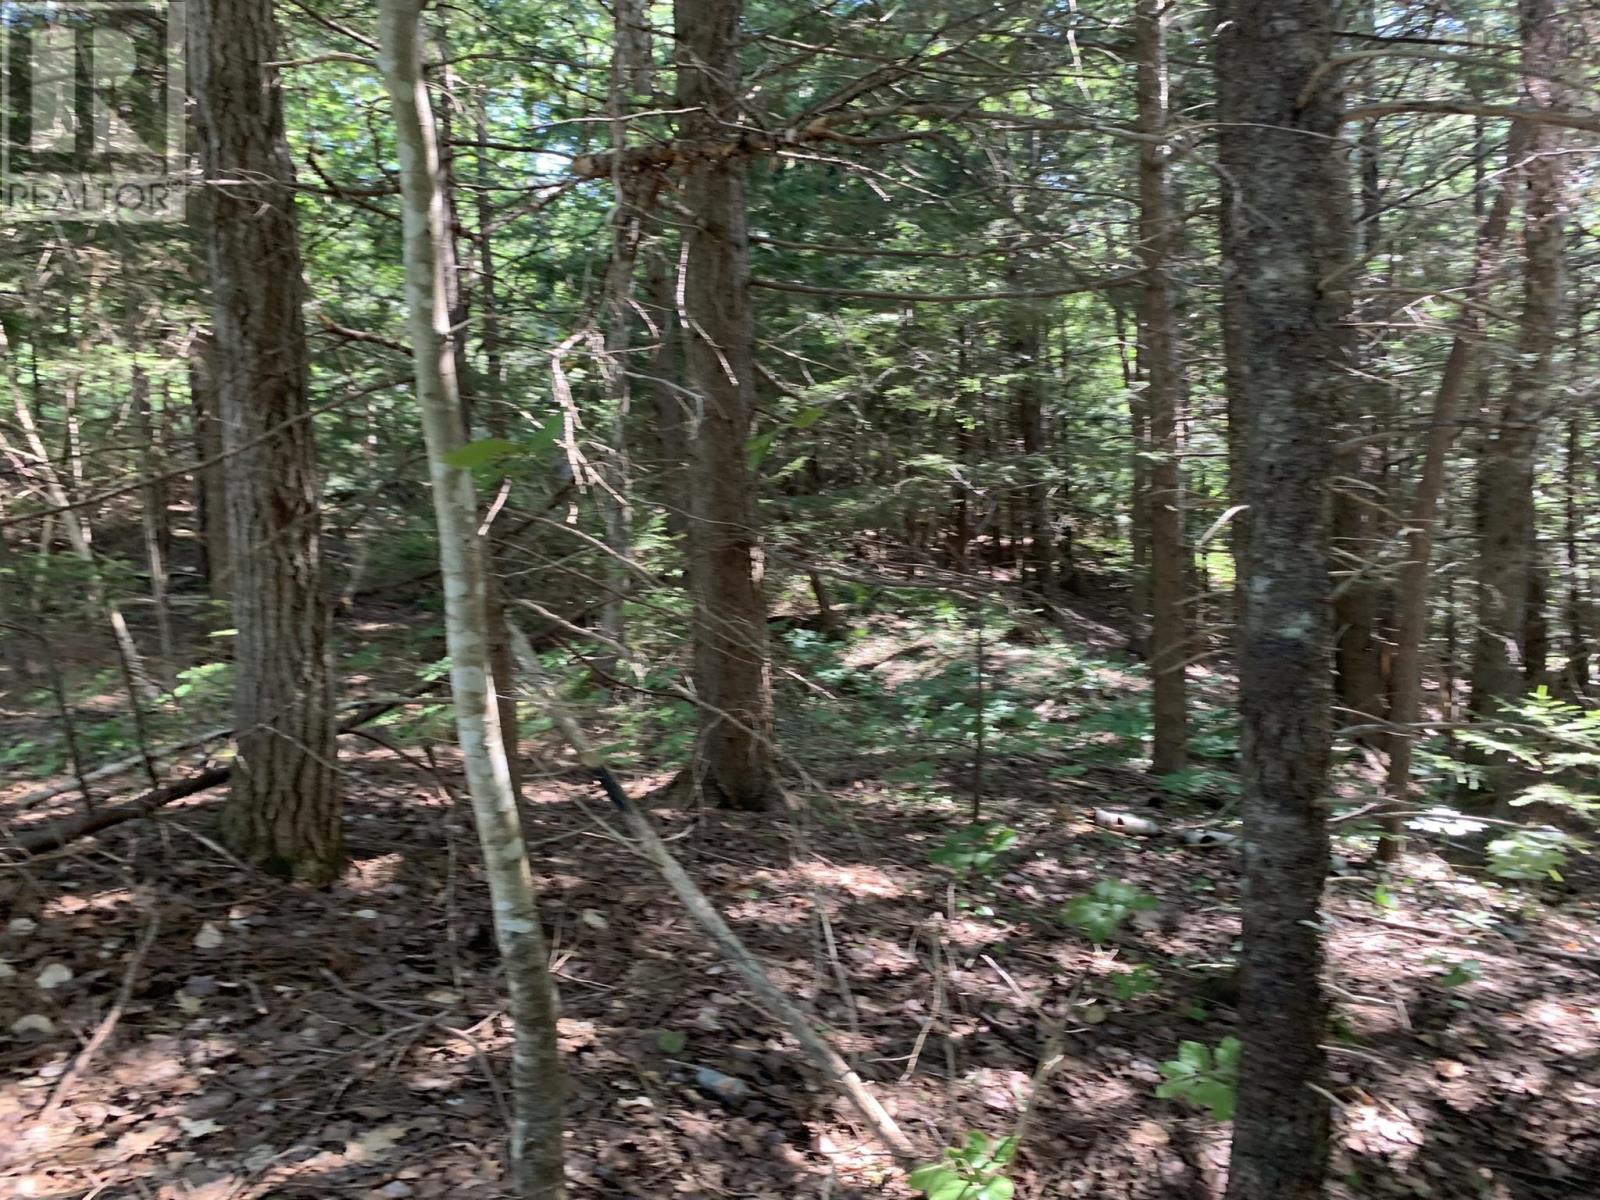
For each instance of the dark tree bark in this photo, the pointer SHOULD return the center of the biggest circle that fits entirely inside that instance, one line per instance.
(1509, 650)
(211, 506)
(1411, 592)
(1359, 533)
(732, 671)
(1158, 351)
(283, 809)
(1287, 249)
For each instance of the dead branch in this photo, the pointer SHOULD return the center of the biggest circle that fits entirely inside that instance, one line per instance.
(62, 833)
(823, 1056)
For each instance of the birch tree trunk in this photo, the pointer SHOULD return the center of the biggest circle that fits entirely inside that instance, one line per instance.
(536, 1151)
(1169, 641)
(732, 671)
(283, 808)
(153, 516)
(1028, 364)
(1288, 226)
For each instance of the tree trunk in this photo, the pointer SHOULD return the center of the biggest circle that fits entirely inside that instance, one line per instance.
(283, 807)
(1504, 661)
(1288, 245)
(1028, 372)
(1358, 535)
(1139, 597)
(1411, 592)
(153, 519)
(536, 1149)
(477, 408)
(210, 497)
(1158, 350)
(732, 671)
(632, 197)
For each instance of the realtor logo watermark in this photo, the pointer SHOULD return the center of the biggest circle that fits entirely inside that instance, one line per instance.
(92, 104)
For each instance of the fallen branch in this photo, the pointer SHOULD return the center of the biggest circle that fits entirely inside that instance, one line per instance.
(62, 833)
(34, 799)
(823, 1056)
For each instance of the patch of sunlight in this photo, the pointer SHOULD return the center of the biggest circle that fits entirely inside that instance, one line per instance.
(1382, 1129)
(371, 874)
(68, 904)
(1565, 1026)
(779, 912)
(882, 956)
(855, 879)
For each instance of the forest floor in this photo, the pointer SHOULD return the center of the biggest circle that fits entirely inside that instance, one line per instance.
(262, 1040)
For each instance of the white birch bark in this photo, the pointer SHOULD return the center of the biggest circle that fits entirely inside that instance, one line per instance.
(536, 1087)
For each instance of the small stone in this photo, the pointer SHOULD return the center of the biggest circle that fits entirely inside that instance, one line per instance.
(54, 975)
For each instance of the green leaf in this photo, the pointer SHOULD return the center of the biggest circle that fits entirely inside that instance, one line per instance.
(1468, 970)
(998, 1188)
(925, 1179)
(809, 417)
(671, 1041)
(953, 1188)
(544, 435)
(479, 453)
(759, 447)
(1006, 1150)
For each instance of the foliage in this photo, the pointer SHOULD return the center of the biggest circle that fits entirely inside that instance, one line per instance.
(974, 849)
(976, 1171)
(1528, 854)
(1467, 970)
(1202, 1077)
(1139, 980)
(1102, 912)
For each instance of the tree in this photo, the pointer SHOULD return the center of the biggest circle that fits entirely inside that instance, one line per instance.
(1509, 652)
(1158, 352)
(732, 672)
(536, 1152)
(283, 808)
(1280, 104)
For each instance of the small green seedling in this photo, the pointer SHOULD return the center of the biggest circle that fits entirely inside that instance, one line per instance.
(977, 1171)
(1138, 981)
(1203, 1078)
(975, 849)
(1101, 913)
(1468, 970)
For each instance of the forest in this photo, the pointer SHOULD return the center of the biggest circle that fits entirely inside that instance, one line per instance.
(800, 598)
